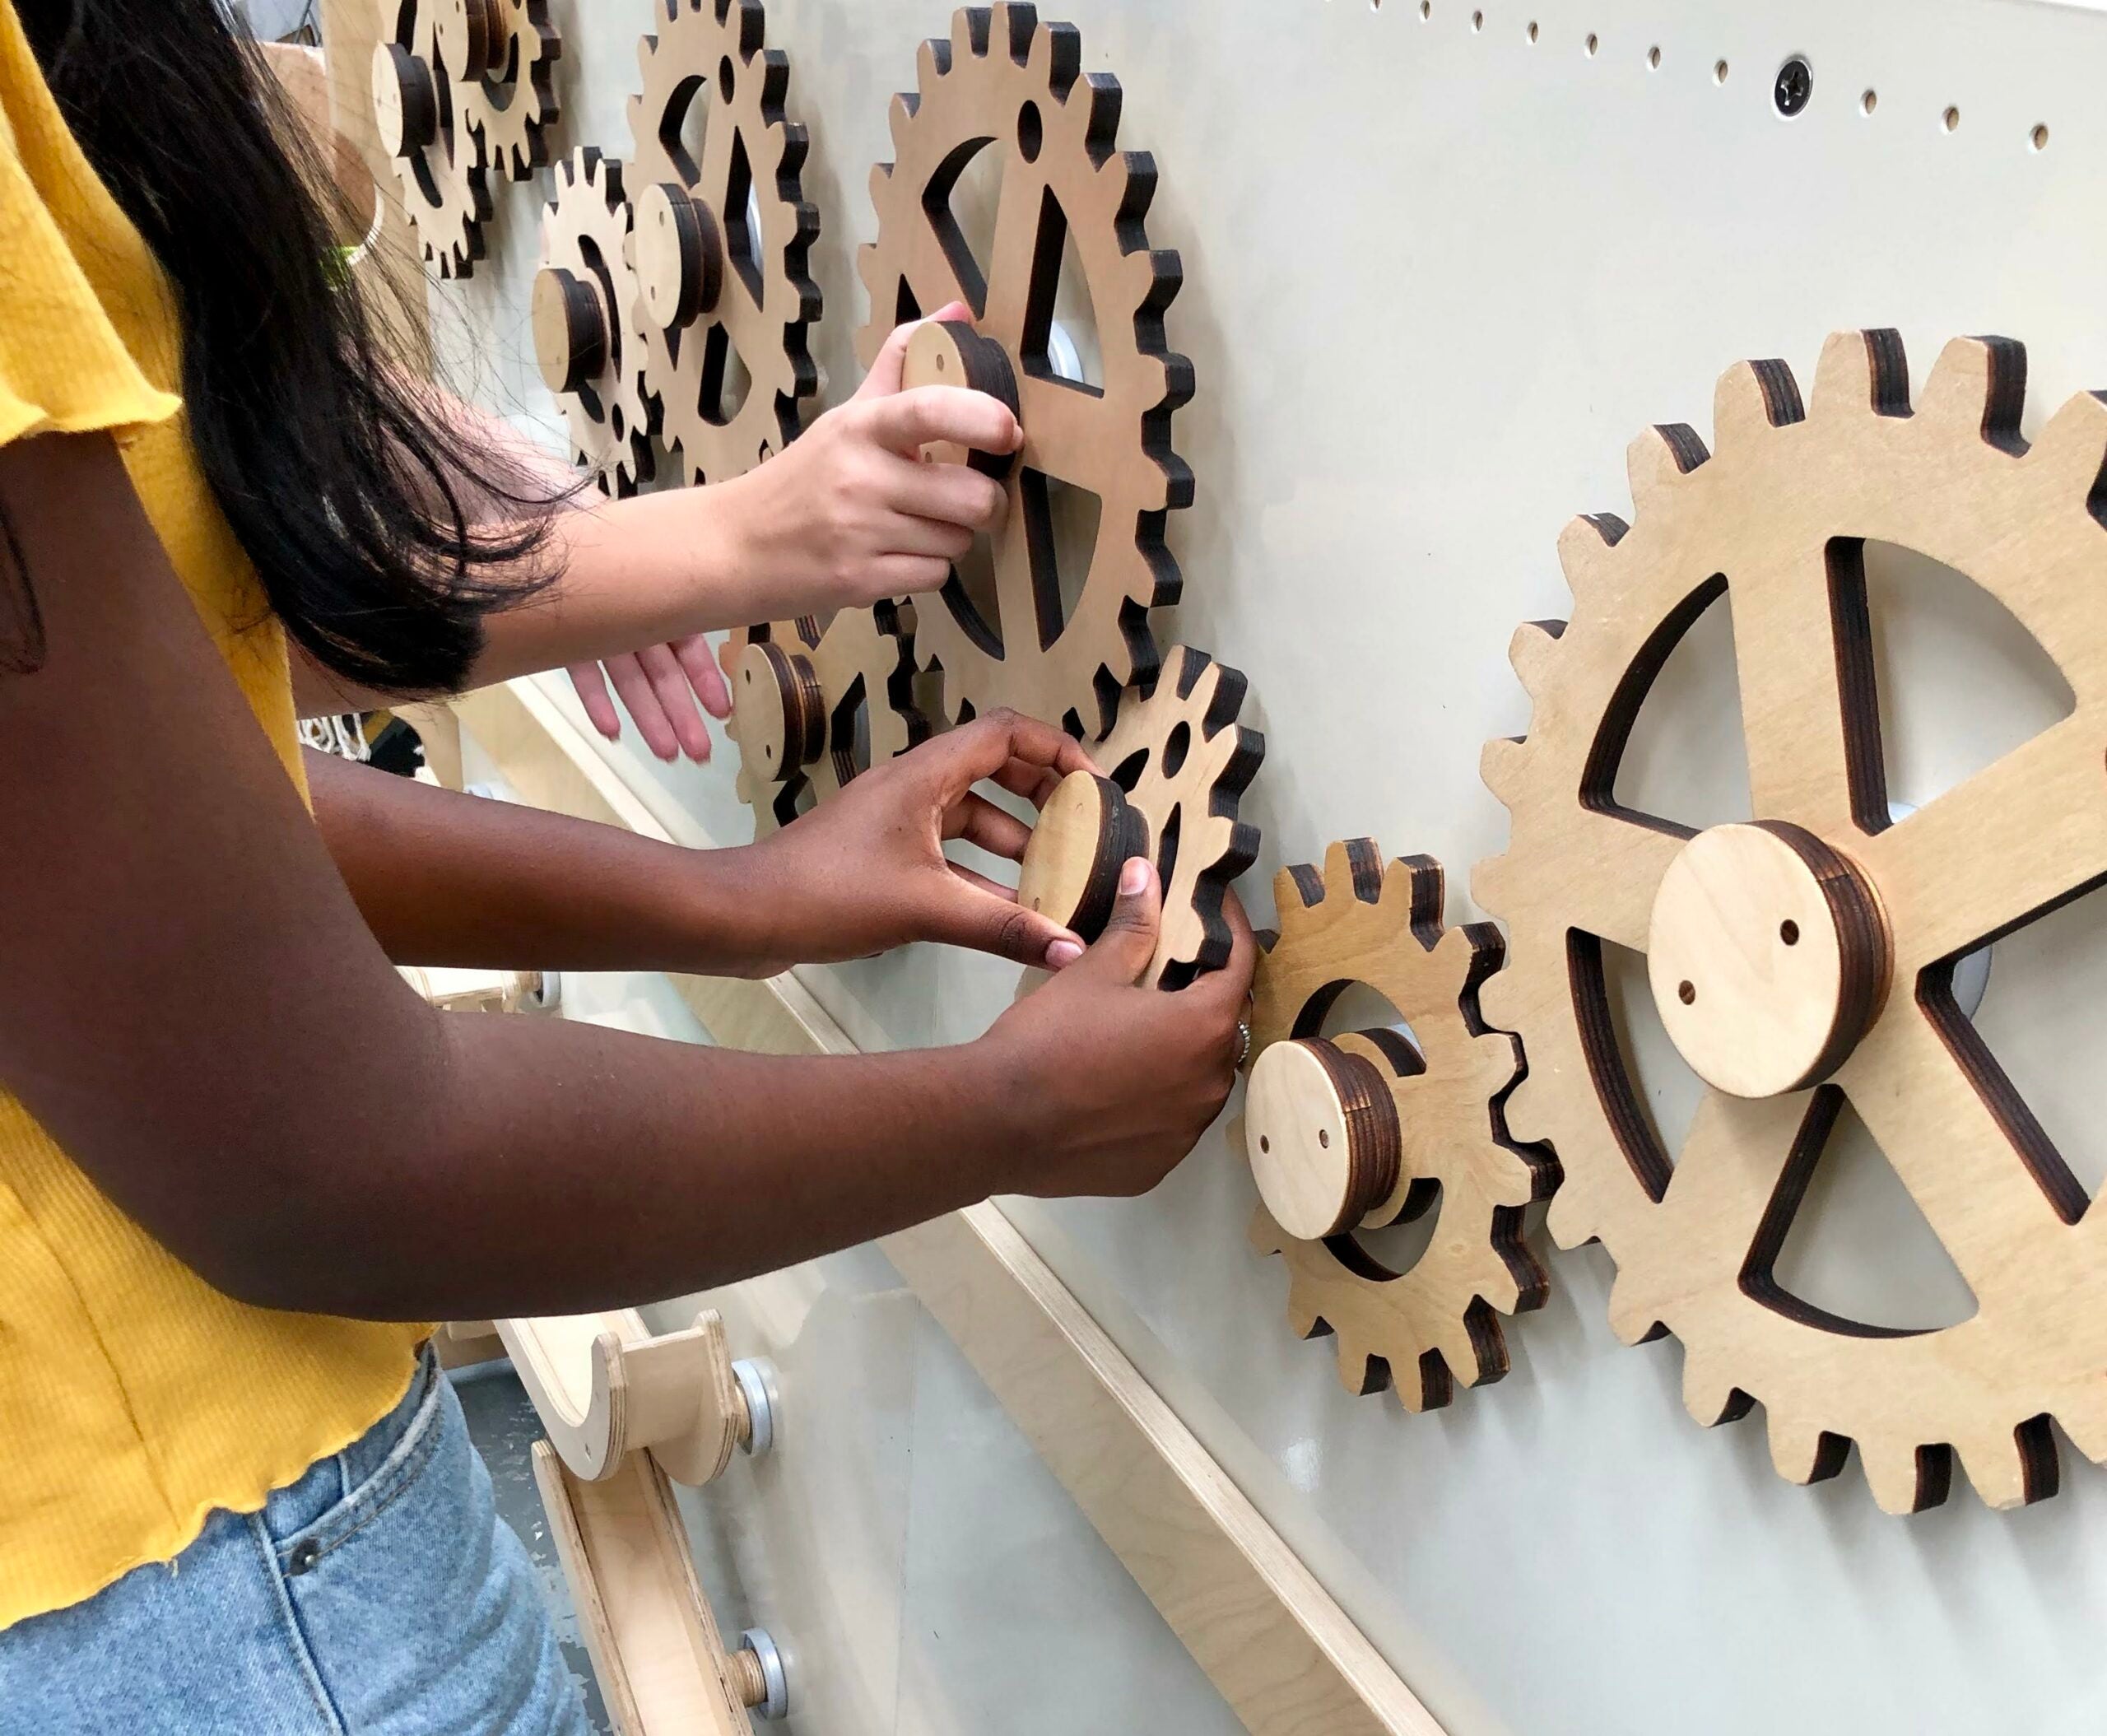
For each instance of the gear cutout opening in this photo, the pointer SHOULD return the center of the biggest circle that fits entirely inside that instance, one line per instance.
(1684, 760)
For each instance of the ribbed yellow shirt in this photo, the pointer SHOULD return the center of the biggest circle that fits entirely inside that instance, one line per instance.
(134, 1398)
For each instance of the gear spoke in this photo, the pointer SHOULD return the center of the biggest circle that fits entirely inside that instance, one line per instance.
(1802, 650)
(1615, 862)
(1990, 853)
(1989, 1183)
(1015, 261)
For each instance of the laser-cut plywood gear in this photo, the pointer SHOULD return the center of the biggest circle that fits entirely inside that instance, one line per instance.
(813, 708)
(438, 156)
(499, 56)
(1429, 1118)
(1779, 511)
(721, 239)
(584, 337)
(1185, 761)
(1006, 83)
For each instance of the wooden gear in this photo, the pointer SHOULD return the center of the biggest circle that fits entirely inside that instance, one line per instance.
(1775, 518)
(499, 56)
(722, 240)
(1183, 762)
(1357, 1131)
(814, 707)
(1005, 82)
(585, 339)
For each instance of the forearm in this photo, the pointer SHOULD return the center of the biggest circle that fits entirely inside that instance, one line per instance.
(442, 878)
(556, 1167)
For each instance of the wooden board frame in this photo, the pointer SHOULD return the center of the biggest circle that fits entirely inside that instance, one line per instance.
(1285, 1658)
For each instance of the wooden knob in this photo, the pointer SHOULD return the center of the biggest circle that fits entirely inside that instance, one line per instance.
(570, 329)
(1321, 1131)
(405, 103)
(949, 352)
(1071, 871)
(472, 37)
(780, 710)
(1768, 956)
(679, 255)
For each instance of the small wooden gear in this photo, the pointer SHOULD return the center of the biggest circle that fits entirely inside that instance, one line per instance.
(1808, 959)
(1366, 1130)
(437, 156)
(1006, 83)
(584, 339)
(1178, 764)
(723, 233)
(500, 59)
(814, 707)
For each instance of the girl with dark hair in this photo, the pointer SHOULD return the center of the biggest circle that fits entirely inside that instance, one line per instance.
(234, 1496)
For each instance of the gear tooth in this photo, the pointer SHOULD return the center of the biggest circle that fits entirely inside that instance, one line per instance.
(1459, 1350)
(899, 120)
(1338, 869)
(1302, 1319)
(1751, 399)
(2074, 445)
(1568, 1219)
(1533, 651)
(1797, 1447)
(2083, 1416)
(1708, 1390)
(1658, 458)
(1352, 1358)
(1893, 1473)
(1633, 1315)
(1584, 550)
(1861, 374)
(1264, 1235)
(1497, 998)
(1968, 382)
(1503, 763)
(1998, 1469)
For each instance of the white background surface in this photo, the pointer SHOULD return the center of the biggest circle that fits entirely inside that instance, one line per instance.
(1436, 278)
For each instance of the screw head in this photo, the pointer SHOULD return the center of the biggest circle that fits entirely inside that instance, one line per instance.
(1792, 87)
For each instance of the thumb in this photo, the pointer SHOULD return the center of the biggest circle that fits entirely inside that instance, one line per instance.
(883, 380)
(1122, 951)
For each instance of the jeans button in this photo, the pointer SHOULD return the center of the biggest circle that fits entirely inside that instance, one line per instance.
(305, 1553)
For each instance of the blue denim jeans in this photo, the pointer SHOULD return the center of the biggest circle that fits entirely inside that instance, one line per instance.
(378, 1594)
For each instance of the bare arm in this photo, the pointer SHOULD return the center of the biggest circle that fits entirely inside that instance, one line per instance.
(194, 1009)
(847, 515)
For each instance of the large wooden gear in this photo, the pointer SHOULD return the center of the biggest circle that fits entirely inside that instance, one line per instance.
(1005, 82)
(1776, 516)
(721, 239)
(1370, 1129)
(813, 707)
(584, 339)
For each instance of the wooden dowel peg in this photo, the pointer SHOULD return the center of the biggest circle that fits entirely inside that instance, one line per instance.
(570, 329)
(1768, 958)
(1322, 1132)
(679, 255)
(405, 101)
(949, 352)
(780, 710)
(1085, 834)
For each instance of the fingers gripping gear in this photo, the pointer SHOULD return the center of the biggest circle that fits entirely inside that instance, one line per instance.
(1412, 1118)
(823, 707)
(1006, 84)
(724, 230)
(583, 336)
(1884, 910)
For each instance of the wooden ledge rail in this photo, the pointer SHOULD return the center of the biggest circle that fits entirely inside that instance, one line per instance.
(663, 1667)
(605, 1387)
(1278, 1647)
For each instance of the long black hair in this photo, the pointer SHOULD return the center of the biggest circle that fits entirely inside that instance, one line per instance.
(351, 491)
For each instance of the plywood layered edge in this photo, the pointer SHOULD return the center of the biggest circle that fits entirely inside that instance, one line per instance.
(1276, 1644)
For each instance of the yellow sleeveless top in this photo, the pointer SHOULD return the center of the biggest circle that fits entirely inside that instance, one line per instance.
(134, 1398)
